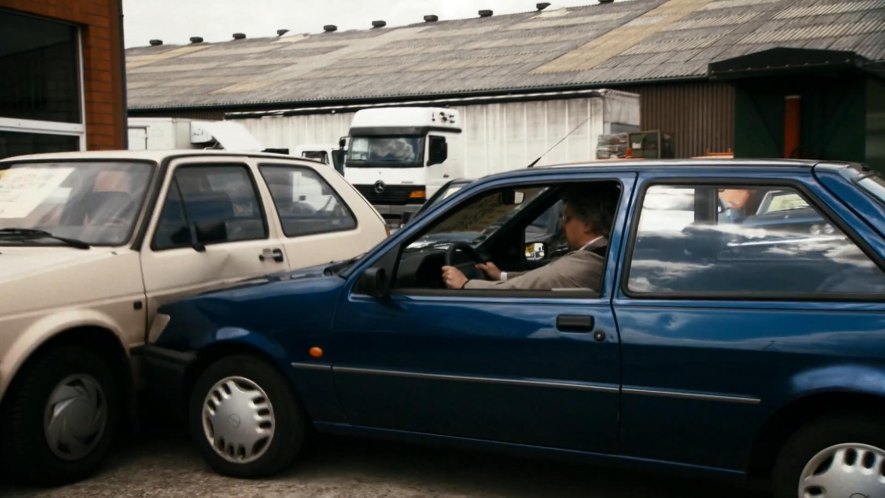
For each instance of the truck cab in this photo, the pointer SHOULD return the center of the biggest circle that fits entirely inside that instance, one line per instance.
(398, 157)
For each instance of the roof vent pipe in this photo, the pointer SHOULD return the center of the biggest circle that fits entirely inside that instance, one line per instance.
(328, 28)
(485, 13)
(239, 36)
(542, 5)
(281, 32)
(196, 39)
(379, 24)
(431, 18)
(155, 42)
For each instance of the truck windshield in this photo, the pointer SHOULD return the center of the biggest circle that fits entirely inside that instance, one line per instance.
(386, 151)
(92, 202)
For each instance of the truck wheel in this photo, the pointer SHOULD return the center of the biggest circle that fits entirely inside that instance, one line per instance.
(840, 455)
(245, 419)
(60, 418)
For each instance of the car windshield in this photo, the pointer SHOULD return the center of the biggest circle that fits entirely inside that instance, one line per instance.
(778, 200)
(875, 185)
(449, 189)
(478, 220)
(91, 202)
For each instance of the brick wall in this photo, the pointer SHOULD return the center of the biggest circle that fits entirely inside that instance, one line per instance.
(100, 23)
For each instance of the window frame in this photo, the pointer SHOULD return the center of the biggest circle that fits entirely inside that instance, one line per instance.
(607, 292)
(62, 128)
(172, 183)
(711, 181)
(321, 178)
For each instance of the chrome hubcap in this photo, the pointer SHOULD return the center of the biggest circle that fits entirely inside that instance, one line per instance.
(850, 470)
(238, 419)
(75, 417)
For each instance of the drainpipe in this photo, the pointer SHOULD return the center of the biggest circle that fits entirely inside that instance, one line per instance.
(792, 126)
(125, 103)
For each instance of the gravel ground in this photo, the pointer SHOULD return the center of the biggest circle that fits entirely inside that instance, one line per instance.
(161, 462)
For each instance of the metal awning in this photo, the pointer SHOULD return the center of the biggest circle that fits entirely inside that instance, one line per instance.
(790, 61)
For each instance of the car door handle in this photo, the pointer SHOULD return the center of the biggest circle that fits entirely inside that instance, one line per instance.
(574, 323)
(274, 254)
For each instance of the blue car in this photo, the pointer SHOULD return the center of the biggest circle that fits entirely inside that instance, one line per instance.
(707, 344)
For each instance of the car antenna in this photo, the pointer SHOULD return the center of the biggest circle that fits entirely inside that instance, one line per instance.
(557, 143)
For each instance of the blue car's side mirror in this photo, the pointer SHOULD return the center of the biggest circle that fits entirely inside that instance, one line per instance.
(374, 282)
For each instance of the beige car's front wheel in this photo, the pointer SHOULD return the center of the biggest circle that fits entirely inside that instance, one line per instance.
(59, 417)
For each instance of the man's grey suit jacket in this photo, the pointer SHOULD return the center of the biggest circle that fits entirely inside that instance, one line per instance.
(580, 269)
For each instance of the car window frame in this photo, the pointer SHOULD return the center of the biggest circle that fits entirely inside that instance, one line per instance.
(163, 195)
(261, 164)
(798, 185)
(610, 265)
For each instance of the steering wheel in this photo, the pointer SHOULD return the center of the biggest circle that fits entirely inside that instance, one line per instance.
(464, 257)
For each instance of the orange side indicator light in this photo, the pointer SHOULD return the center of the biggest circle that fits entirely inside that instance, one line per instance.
(316, 352)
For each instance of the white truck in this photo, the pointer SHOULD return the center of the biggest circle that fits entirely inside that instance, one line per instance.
(397, 157)
(183, 133)
(325, 153)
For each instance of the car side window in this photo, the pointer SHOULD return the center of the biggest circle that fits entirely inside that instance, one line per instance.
(214, 204)
(749, 241)
(521, 230)
(305, 203)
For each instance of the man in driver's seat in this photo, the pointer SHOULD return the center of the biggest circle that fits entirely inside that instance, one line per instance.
(585, 220)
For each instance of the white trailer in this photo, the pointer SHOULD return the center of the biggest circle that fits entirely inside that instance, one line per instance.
(181, 133)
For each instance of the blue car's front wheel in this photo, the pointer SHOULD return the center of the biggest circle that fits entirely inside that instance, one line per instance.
(245, 419)
(834, 456)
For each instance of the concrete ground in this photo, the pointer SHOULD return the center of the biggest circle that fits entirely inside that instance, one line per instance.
(160, 461)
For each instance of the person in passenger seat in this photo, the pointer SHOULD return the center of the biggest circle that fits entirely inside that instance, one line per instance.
(586, 221)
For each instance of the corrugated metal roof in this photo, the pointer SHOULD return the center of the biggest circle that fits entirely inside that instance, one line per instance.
(594, 46)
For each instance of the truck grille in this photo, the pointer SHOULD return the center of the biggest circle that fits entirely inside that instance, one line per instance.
(392, 194)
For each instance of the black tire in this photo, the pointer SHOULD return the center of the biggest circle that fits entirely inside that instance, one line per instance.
(827, 432)
(237, 456)
(77, 449)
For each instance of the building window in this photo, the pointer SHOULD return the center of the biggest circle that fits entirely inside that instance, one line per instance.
(41, 103)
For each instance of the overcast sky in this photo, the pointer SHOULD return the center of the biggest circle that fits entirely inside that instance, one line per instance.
(175, 21)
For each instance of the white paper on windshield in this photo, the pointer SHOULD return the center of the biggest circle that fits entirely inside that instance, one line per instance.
(23, 189)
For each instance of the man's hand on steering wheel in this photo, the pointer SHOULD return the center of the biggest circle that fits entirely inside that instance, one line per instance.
(453, 277)
(490, 269)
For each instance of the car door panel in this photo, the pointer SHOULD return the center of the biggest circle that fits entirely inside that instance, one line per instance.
(498, 370)
(718, 359)
(539, 368)
(704, 372)
(176, 271)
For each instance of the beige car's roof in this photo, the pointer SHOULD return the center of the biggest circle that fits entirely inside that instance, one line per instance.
(151, 155)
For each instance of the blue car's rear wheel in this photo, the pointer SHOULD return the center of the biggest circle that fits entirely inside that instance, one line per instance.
(245, 419)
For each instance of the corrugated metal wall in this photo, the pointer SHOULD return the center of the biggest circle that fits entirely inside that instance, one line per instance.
(700, 116)
(496, 137)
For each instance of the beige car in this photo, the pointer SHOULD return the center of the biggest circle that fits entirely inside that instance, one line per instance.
(91, 243)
